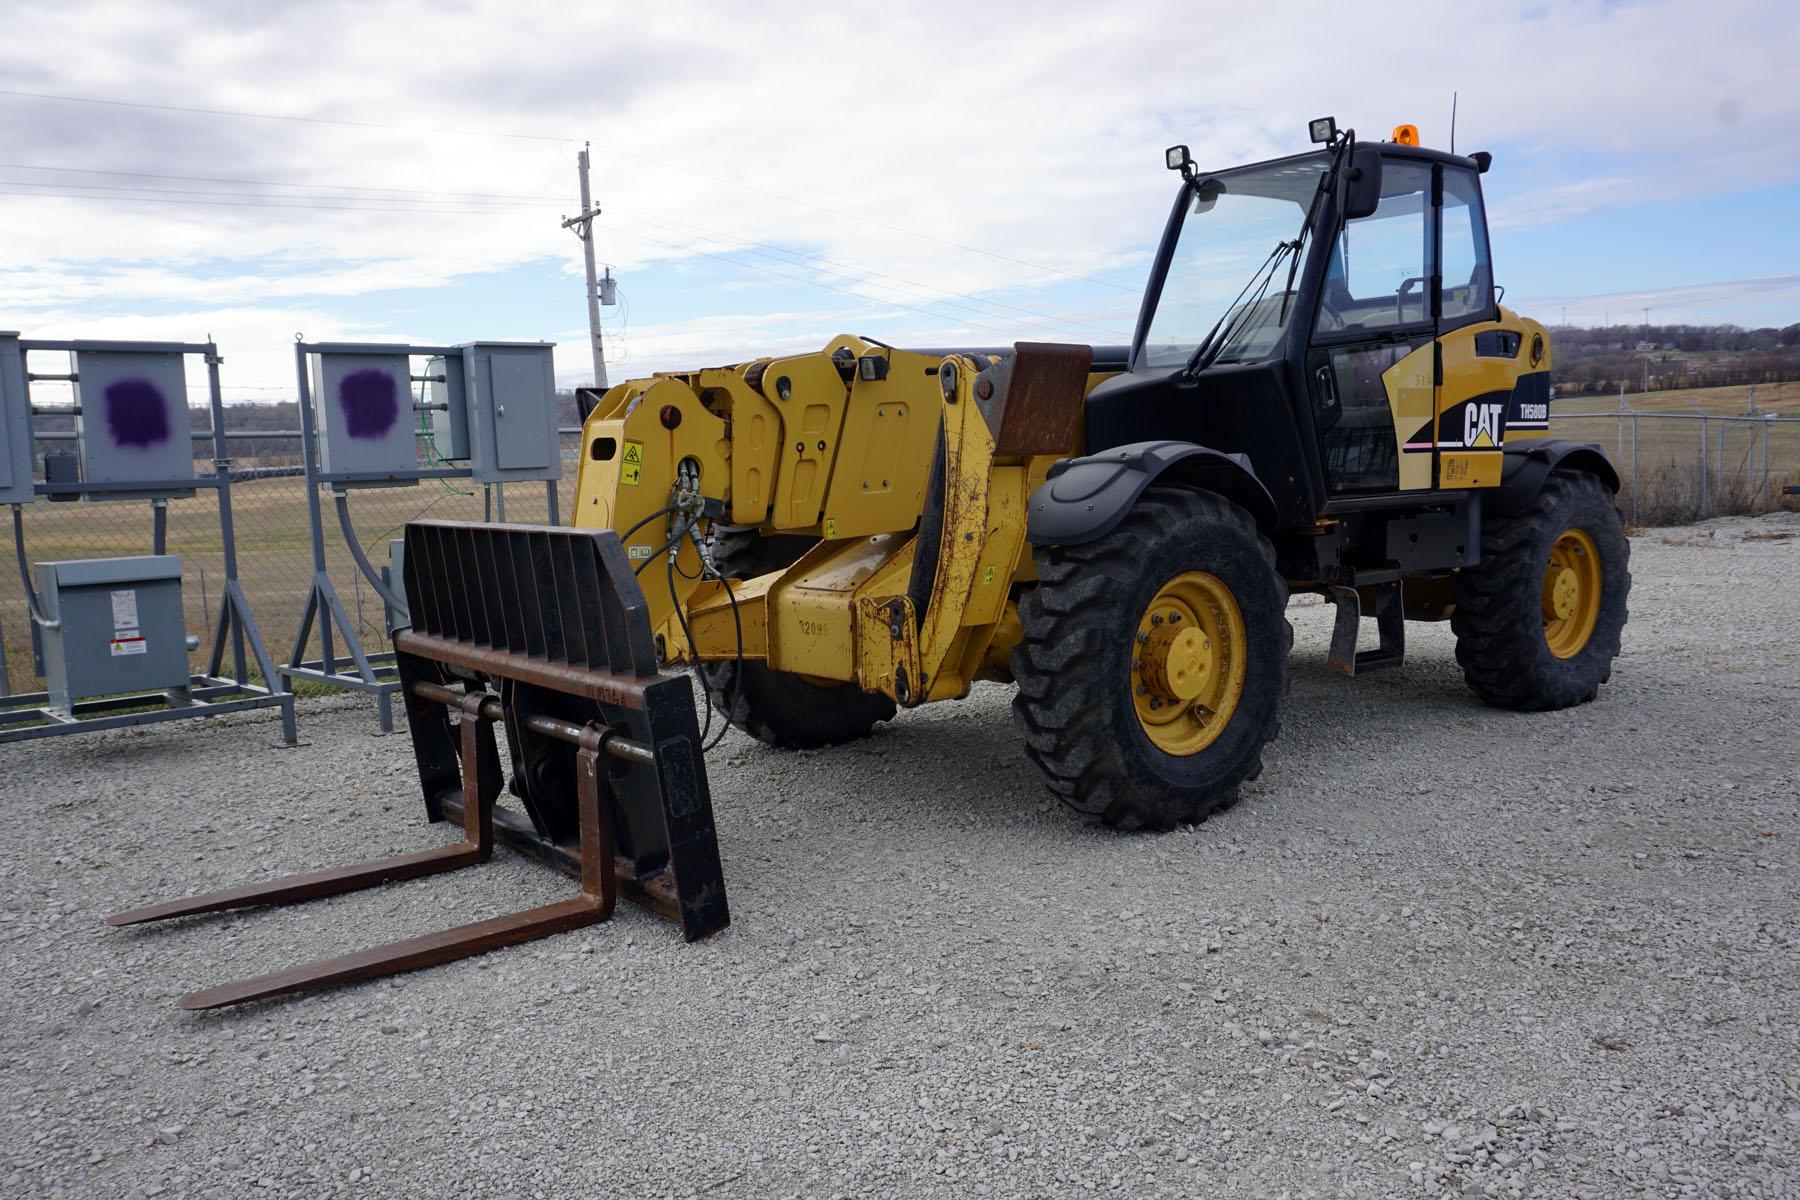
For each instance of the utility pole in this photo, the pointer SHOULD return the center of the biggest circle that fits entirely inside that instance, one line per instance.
(583, 226)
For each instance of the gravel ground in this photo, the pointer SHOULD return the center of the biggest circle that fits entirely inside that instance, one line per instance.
(1438, 950)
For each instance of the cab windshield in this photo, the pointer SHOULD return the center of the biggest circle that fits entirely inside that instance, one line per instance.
(1230, 283)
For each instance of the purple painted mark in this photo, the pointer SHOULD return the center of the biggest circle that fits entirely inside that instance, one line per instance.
(370, 404)
(136, 413)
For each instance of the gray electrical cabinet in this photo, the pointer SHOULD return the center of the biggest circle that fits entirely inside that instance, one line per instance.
(15, 424)
(132, 422)
(364, 408)
(117, 627)
(511, 393)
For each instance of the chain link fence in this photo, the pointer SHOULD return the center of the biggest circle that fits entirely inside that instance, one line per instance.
(1675, 466)
(1679, 466)
(274, 550)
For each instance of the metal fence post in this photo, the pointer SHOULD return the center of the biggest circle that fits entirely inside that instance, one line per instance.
(1634, 468)
(1703, 464)
(1768, 495)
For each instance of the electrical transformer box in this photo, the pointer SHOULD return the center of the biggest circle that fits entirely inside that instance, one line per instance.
(132, 422)
(364, 409)
(116, 627)
(511, 393)
(15, 424)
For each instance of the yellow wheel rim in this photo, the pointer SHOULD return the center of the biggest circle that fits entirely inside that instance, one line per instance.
(1187, 663)
(1570, 599)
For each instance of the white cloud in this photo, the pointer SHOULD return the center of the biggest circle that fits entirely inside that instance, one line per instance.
(1031, 131)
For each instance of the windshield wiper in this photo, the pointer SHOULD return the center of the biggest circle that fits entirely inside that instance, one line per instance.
(1215, 342)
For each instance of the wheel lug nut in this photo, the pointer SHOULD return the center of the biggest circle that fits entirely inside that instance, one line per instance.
(1157, 619)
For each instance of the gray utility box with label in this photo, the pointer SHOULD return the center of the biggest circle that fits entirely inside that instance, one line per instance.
(15, 424)
(364, 405)
(511, 393)
(118, 627)
(132, 422)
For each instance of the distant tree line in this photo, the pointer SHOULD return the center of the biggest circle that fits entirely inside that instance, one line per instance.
(1661, 357)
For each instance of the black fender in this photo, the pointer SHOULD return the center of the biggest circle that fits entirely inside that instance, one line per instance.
(1527, 465)
(1086, 498)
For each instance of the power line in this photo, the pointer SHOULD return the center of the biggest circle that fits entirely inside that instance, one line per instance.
(325, 204)
(476, 206)
(721, 179)
(130, 190)
(446, 212)
(256, 116)
(490, 201)
(342, 187)
(809, 260)
(940, 316)
(1051, 322)
(146, 199)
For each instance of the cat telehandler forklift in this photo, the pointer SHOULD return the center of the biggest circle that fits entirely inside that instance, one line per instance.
(1323, 393)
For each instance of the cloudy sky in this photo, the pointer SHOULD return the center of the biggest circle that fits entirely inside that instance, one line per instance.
(927, 173)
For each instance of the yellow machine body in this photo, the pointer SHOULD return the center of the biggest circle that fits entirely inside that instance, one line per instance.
(802, 445)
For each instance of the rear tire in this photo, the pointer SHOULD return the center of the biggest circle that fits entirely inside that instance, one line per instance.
(779, 707)
(1081, 664)
(1522, 645)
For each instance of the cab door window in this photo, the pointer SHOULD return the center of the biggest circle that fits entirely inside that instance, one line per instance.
(1378, 278)
(1468, 279)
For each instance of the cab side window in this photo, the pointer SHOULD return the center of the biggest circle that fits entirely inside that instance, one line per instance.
(1468, 277)
(1379, 275)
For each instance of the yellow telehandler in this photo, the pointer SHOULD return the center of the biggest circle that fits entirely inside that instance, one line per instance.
(1322, 393)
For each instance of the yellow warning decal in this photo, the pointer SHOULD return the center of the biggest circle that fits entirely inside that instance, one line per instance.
(987, 576)
(631, 468)
(830, 527)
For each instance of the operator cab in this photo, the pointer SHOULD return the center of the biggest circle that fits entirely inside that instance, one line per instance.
(1286, 308)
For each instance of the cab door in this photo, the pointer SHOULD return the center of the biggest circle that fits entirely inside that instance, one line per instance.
(1370, 364)
(1479, 355)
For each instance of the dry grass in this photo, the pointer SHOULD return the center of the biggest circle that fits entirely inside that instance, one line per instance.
(274, 555)
(273, 547)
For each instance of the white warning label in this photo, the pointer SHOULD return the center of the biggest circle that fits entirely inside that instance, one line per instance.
(124, 606)
(129, 645)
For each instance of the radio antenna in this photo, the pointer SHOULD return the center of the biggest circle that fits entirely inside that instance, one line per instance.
(1453, 122)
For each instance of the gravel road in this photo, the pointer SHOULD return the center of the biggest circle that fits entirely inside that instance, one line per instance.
(1437, 950)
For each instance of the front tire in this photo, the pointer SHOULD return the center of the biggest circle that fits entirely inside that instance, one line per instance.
(1154, 662)
(1538, 621)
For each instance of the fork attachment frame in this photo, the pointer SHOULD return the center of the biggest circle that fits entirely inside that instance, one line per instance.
(605, 751)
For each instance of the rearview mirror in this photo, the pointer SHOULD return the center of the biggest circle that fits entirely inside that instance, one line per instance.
(1206, 194)
(1362, 191)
